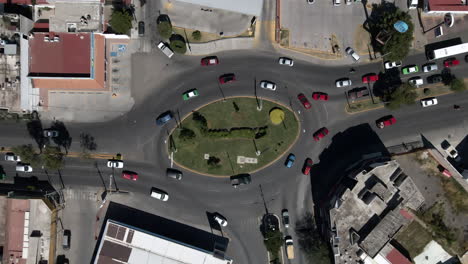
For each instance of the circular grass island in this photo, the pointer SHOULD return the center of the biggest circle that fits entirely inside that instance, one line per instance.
(232, 137)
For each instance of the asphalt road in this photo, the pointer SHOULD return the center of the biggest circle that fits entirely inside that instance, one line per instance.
(143, 144)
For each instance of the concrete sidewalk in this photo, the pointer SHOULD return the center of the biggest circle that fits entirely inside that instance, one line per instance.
(220, 45)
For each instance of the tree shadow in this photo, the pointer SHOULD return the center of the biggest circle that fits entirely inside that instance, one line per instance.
(387, 83)
(87, 142)
(63, 139)
(35, 130)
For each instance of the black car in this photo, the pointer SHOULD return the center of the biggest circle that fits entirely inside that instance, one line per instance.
(240, 179)
(285, 216)
(141, 28)
(436, 78)
(164, 118)
(174, 174)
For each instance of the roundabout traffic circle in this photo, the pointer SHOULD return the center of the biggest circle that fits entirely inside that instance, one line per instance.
(233, 136)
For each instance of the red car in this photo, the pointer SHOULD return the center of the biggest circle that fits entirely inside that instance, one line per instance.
(451, 62)
(304, 101)
(307, 166)
(370, 78)
(130, 175)
(385, 121)
(207, 61)
(321, 133)
(320, 96)
(227, 78)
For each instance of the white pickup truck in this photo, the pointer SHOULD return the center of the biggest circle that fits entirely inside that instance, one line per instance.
(450, 150)
(165, 49)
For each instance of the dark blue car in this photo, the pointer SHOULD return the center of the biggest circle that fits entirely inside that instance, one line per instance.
(164, 118)
(290, 160)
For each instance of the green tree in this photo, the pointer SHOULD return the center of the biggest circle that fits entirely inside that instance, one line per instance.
(52, 158)
(186, 134)
(28, 154)
(457, 85)
(273, 241)
(398, 46)
(165, 29)
(309, 240)
(178, 44)
(120, 21)
(405, 94)
(196, 35)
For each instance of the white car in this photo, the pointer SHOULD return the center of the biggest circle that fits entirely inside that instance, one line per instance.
(220, 219)
(51, 133)
(10, 156)
(23, 167)
(115, 164)
(159, 194)
(286, 61)
(268, 85)
(352, 53)
(348, 2)
(392, 64)
(428, 101)
(430, 67)
(336, 2)
(343, 82)
(416, 81)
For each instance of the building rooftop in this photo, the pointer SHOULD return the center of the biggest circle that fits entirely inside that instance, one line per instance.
(17, 230)
(76, 17)
(60, 55)
(367, 209)
(447, 5)
(23, 2)
(433, 253)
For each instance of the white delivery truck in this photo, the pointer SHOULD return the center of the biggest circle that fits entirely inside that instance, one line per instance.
(165, 49)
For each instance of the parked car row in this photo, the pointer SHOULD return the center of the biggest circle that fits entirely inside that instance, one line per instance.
(317, 96)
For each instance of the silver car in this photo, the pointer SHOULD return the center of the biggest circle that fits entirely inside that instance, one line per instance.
(22, 167)
(430, 67)
(268, 85)
(286, 61)
(10, 156)
(345, 82)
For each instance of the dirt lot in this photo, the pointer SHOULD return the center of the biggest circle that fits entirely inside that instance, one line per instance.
(445, 213)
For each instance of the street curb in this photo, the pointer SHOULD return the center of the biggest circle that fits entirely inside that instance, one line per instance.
(362, 111)
(266, 165)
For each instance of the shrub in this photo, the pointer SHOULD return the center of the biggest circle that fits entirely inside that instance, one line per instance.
(427, 91)
(405, 94)
(457, 85)
(178, 44)
(276, 116)
(213, 161)
(165, 29)
(186, 134)
(196, 35)
(236, 107)
(120, 21)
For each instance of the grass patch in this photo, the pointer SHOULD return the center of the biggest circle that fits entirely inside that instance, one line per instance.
(284, 37)
(414, 238)
(207, 36)
(234, 113)
(456, 195)
(363, 105)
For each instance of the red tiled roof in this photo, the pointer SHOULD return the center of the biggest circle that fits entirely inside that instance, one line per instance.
(395, 257)
(14, 230)
(70, 56)
(447, 5)
(406, 214)
(41, 25)
(23, 2)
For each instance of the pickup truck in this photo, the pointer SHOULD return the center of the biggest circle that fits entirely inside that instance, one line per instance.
(358, 93)
(165, 49)
(450, 150)
(289, 247)
(240, 179)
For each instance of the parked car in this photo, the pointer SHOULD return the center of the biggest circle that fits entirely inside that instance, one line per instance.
(450, 150)
(190, 94)
(165, 49)
(358, 92)
(286, 61)
(164, 118)
(159, 194)
(321, 133)
(23, 167)
(428, 101)
(385, 121)
(307, 166)
(113, 163)
(430, 67)
(227, 78)
(372, 77)
(268, 85)
(290, 160)
(49, 133)
(436, 78)
(285, 217)
(352, 53)
(240, 179)
(130, 175)
(211, 60)
(174, 174)
(451, 62)
(66, 239)
(392, 64)
(289, 245)
(220, 219)
(320, 96)
(141, 28)
(345, 82)
(10, 156)
(304, 101)
(410, 69)
(336, 2)
(416, 81)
